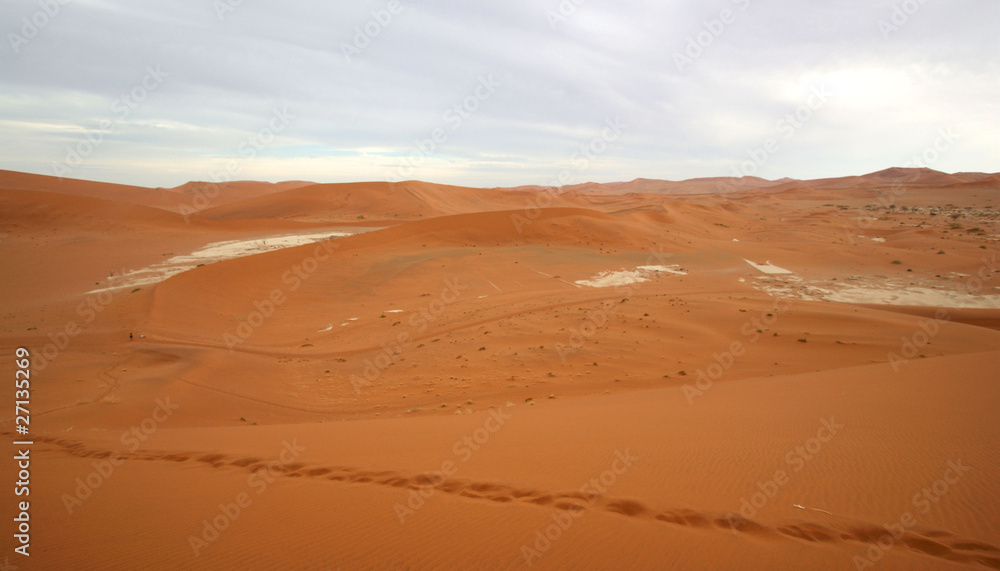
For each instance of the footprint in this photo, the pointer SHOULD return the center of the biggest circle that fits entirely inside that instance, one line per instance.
(685, 517)
(928, 546)
(428, 479)
(807, 532)
(567, 505)
(972, 546)
(213, 459)
(542, 500)
(626, 507)
(398, 482)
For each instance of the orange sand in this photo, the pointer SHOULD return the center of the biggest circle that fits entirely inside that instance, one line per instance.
(440, 390)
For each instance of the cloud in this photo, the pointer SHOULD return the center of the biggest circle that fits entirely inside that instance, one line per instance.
(368, 81)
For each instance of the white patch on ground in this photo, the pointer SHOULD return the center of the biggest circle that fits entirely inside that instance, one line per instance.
(878, 239)
(626, 277)
(393, 311)
(327, 328)
(768, 268)
(877, 291)
(675, 270)
(209, 254)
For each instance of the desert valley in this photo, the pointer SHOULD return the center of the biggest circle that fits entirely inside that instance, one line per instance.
(707, 374)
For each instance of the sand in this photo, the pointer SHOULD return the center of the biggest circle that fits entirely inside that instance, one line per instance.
(628, 377)
(626, 277)
(211, 253)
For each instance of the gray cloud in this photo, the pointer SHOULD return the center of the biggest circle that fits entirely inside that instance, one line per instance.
(896, 78)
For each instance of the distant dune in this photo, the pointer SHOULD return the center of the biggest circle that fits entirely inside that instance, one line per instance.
(714, 373)
(172, 199)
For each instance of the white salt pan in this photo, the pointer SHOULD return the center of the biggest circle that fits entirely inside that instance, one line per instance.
(209, 254)
(625, 277)
(768, 268)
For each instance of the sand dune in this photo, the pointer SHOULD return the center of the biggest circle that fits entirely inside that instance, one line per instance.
(172, 199)
(375, 200)
(412, 375)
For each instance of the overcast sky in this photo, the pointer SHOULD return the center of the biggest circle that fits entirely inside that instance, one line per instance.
(496, 93)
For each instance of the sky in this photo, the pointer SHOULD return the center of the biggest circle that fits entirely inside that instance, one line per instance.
(496, 93)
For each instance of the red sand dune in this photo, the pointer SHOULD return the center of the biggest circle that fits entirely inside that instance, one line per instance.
(447, 389)
(172, 199)
(389, 202)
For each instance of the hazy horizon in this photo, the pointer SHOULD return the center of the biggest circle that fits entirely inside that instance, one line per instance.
(496, 95)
